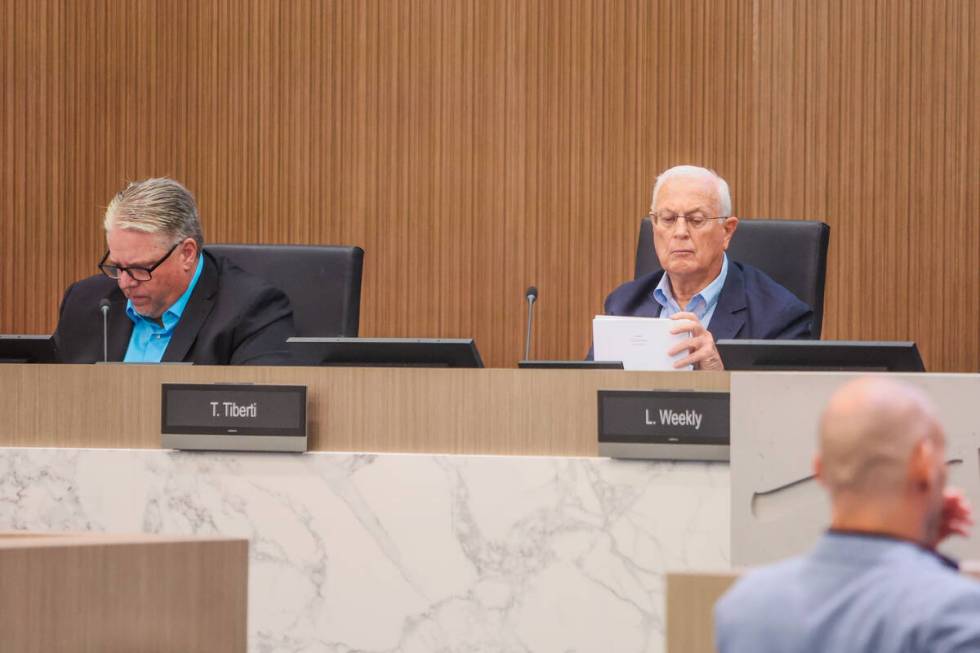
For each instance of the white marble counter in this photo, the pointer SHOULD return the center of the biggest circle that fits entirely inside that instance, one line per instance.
(408, 553)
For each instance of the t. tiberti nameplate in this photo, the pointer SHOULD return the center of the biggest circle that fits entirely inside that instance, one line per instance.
(233, 417)
(664, 424)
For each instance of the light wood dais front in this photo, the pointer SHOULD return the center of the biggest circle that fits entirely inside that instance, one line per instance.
(495, 411)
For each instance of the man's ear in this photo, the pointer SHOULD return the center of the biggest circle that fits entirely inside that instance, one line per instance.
(818, 469)
(730, 224)
(921, 464)
(188, 253)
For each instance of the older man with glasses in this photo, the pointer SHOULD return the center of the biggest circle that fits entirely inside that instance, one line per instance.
(168, 300)
(708, 295)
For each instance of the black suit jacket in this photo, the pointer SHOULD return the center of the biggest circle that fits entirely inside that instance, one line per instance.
(750, 305)
(232, 317)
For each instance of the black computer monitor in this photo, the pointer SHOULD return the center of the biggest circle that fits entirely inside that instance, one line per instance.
(820, 355)
(569, 365)
(385, 352)
(27, 349)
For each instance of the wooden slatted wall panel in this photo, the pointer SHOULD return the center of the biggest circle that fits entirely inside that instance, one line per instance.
(473, 147)
(873, 114)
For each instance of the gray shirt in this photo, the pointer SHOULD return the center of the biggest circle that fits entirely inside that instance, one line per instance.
(852, 593)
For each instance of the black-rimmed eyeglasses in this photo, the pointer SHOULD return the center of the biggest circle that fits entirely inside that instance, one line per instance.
(136, 272)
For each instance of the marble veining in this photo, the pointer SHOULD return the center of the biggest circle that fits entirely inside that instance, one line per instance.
(408, 553)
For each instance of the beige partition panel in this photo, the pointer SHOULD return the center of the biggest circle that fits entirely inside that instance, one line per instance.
(691, 601)
(104, 593)
(490, 411)
(778, 507)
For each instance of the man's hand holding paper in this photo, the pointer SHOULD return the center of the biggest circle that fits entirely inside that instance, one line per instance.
(701, 344)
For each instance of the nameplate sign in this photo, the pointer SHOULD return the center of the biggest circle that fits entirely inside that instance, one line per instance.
(664, 424)
(233, 417)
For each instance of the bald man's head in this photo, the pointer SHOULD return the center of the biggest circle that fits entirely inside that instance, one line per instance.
(869, 432)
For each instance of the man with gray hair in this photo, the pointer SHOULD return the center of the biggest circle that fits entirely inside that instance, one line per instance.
(874, 582)
(167, 299)
(709, 296)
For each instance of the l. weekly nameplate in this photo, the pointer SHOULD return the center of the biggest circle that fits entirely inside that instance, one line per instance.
(671, 424)
(238, 417)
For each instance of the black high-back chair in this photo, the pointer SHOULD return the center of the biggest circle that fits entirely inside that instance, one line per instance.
(323, 283)
(792, 252)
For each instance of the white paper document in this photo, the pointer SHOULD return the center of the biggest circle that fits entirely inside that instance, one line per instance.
(640, 342)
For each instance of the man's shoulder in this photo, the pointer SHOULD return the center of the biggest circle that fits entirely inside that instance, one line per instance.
(257, 315)
(763, 586)
(627, 294)
(233, 281)
(957, 598)
(939, 606)
(761, 287)
(94, 288)
(238, 293)
(935, 583)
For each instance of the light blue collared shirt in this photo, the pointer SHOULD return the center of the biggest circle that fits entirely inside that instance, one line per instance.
(149, 340)
(702, 304)
(852, 593)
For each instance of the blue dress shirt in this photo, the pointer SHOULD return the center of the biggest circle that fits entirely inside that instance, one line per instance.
(853, 593)
(149, 340)
(703, 304)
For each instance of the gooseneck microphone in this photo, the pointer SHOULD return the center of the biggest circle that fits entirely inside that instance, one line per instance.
(104, 307)
(531, 294)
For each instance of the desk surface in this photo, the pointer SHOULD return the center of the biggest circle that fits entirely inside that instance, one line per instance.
(411, 410)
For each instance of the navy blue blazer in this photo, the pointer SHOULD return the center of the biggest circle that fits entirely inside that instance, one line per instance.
(751, 305)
